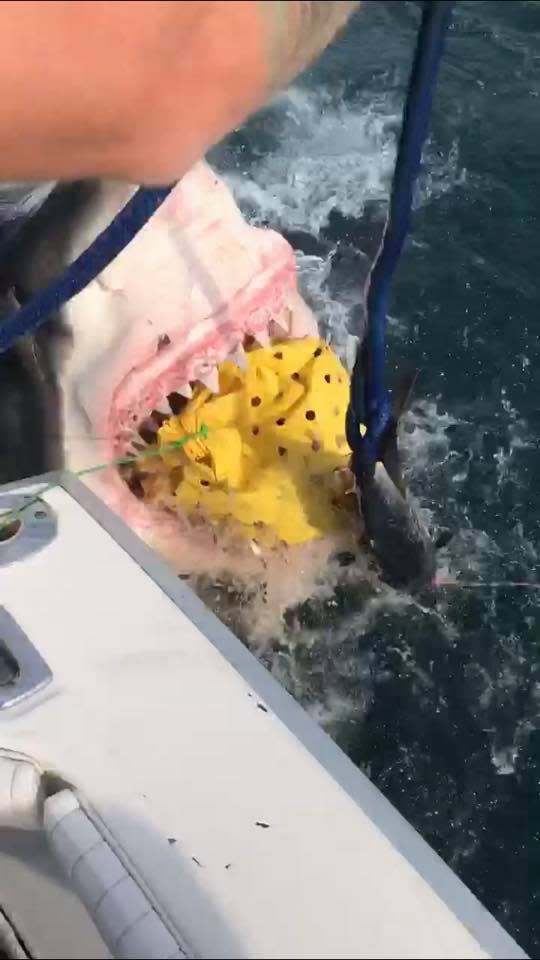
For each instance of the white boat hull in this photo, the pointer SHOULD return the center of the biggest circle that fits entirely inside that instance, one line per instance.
(247, 830)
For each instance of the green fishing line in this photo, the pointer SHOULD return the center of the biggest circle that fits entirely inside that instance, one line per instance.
(12, 515)
(165, 448)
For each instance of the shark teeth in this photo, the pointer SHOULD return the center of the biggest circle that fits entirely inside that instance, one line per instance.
(131, 451)
(238, 356)
(280, 328)
(162, 408)
(158, 417)
(209, 378)
(262, 337)
(185, 390)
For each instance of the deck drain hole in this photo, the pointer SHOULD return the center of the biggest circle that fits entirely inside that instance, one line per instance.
(9, 529)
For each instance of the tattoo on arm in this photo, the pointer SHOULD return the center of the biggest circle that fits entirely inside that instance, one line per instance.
(299, 30)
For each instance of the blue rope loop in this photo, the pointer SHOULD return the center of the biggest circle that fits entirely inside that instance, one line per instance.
(370, 401)
(86, 267)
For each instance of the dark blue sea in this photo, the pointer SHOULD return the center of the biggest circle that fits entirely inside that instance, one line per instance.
(437, 699)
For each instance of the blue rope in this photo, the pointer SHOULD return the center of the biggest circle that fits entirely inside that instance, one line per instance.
(86, 267)
(368, 371)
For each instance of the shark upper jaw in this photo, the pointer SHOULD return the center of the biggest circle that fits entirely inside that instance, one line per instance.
(183, 357)
(193, 286)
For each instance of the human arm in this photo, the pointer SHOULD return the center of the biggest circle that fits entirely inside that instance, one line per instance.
(140, 90)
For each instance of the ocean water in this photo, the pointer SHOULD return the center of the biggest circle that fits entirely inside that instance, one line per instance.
(437, 699)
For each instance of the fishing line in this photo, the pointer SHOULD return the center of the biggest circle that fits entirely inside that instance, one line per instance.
(483, 584)
(12, 515)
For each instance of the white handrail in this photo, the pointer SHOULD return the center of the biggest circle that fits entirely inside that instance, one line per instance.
(128, 923)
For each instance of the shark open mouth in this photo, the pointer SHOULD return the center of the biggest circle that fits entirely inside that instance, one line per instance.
(201, 311)
(260, 446)
(138, 421)
(268, 310)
